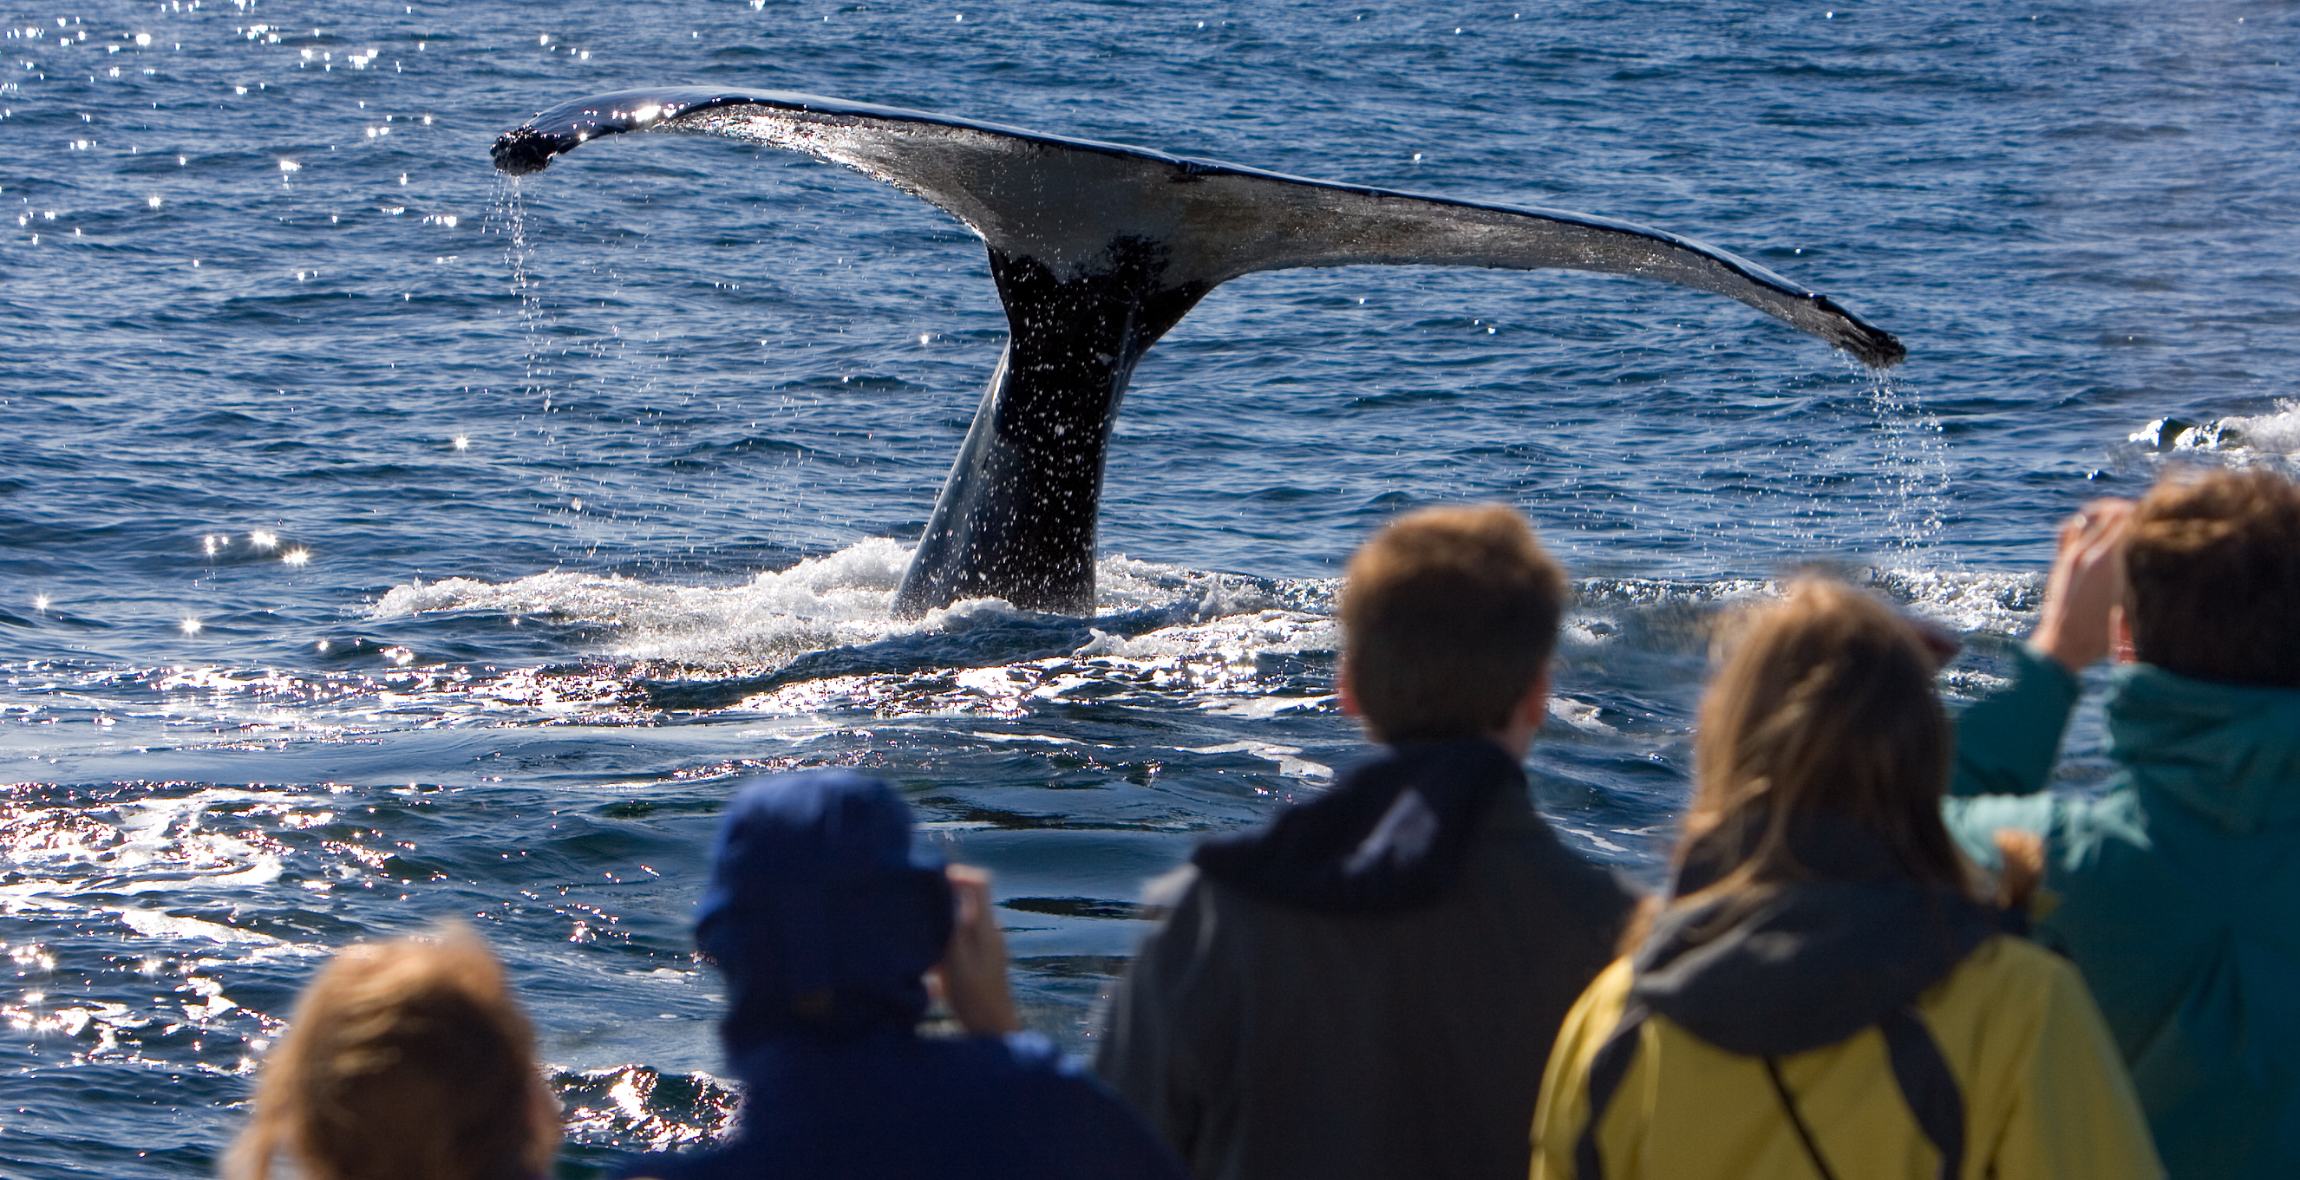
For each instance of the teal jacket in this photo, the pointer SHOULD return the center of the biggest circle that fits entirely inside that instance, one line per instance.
(2176, 891)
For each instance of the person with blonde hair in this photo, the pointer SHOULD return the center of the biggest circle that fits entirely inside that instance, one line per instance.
(2175, 888)
(404, 1060)
(1365, 988)
(1824, 994)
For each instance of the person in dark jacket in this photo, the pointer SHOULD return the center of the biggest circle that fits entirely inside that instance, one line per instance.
(2176, 888)
(1366, 987)
(824, 922)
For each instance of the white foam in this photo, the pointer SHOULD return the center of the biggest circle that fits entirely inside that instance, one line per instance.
(840, 600)
(1962, 600)
(2240, 438)
(1264, 708)
(1290, 764)
(1593, 838)
(1966, 600)
(157, 924)
(1233, 652)
(2277, 433)
(1580, 714)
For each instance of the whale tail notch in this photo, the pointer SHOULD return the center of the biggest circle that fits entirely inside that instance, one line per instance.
(1098, 249)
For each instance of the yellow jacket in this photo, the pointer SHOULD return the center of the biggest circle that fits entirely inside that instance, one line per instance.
(2044, 1091)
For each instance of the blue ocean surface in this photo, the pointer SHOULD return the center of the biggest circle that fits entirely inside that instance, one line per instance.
(384, 540)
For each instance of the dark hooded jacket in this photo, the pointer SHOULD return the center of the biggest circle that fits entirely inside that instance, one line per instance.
(1854, 1023)
(1366, 988)
(823, 920)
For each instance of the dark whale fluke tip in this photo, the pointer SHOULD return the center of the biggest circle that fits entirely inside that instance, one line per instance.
(523, 150)
(1878, 349)
(1869, 344)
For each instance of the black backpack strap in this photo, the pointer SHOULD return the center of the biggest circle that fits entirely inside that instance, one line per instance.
(1797, 1119)
(1606, 1069)
(1927, 1086)
(1918, 1067)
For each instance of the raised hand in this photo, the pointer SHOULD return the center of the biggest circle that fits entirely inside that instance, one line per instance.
(972, 973)
(2086, 586)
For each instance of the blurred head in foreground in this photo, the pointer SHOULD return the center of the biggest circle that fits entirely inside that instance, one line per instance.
(1448, 621)
(405, 1060)
(819, 915)
(1822, 712)
(2212, 569)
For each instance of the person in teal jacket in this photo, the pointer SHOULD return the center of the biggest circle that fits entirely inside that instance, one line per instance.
(2176, 890)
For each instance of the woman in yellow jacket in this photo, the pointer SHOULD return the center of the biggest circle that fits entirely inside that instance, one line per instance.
(1824, 996)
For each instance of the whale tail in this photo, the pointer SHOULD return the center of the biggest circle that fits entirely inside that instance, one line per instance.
(1098, 249)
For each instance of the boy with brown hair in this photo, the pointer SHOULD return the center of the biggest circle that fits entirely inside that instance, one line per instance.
(1367, 986)
(2176, 891)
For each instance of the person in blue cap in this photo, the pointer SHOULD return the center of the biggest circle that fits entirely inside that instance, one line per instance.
(827, 926)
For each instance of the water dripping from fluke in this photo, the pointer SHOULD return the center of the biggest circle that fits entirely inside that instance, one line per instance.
(1098, 250)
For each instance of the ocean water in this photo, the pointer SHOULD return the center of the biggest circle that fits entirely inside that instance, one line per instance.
(385, 541)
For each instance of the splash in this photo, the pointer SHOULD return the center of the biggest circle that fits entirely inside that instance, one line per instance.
(843, 599)
(2240, 440)
(635, 1107)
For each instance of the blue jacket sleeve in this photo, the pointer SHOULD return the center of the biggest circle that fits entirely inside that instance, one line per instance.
(2007, 742)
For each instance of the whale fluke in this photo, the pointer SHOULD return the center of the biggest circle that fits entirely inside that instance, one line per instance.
(1097, 250)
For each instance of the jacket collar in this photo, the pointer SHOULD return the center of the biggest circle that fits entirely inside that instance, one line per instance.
(1390, 836)
(2229, 753)
(1808, 963)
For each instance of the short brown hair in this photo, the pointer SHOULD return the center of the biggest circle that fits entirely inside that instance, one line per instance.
(404, 1060)
(2213, 577)
(1823, 705)
(1447, 620)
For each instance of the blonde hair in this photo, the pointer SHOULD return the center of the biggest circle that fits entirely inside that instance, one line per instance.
(1823, 706)
(1448, 617)
(405, 1060)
